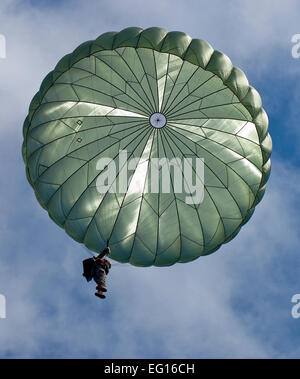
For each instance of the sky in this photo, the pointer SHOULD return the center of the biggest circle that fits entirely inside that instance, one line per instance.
(235, 303)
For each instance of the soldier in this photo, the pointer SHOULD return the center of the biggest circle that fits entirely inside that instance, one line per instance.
(97, 268)
(101, 269)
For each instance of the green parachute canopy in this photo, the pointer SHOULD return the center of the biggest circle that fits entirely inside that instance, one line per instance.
(158, 95)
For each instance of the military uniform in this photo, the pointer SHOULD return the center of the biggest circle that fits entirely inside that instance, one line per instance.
(101, 269)
(97, 268)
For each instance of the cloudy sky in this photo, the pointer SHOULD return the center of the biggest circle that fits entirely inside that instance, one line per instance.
(232, 304)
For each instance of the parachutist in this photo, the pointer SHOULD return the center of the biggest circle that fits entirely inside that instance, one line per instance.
(101, 269)
(97, 268)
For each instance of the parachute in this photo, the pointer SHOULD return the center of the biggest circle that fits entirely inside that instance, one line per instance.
(136, 96)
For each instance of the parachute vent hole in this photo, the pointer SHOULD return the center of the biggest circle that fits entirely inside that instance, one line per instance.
(158, 120)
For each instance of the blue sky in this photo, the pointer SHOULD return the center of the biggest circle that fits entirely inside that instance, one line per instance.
(233, 304)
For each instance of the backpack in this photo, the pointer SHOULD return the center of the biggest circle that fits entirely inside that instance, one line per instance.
(88, 268)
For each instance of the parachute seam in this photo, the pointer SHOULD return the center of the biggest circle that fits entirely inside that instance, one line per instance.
(200, 98)
(99, 206)
(142, 199)
(125, 81)
(175, 200)
(211, 197)
(189, 93)
(158, 206)
(88, 161)
(220, 144)
(195, 207)
(156, 79)
(113, 97)
(78, 199)
(170, 108)
(146, 76)
(165, 85)
(225, 164)
(84, 146)
(113, 85)
(112, 229)
(81, 131)
(149, 109)
(165, 108)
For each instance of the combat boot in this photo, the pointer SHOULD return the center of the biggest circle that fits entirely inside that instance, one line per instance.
(100, 287)
(100, 294)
